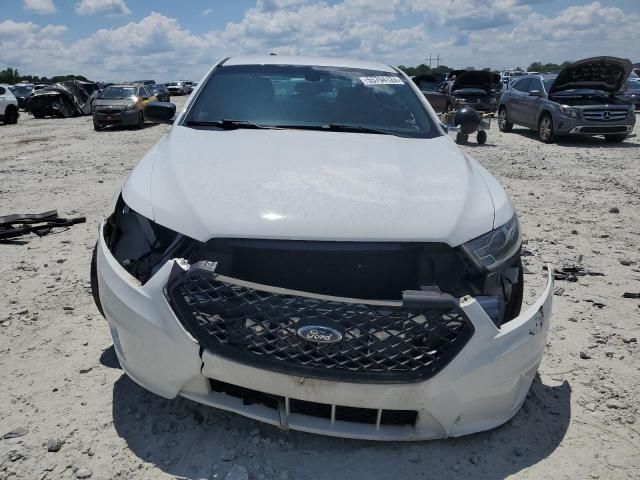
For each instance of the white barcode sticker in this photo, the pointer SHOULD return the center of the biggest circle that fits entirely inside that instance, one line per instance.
(381, 80)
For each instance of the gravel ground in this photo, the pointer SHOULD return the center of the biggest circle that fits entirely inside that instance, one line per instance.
(75, 415)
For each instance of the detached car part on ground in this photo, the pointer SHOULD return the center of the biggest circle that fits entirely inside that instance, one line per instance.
(321, 258)
(8, 106)
(583, 99)
(70, 98)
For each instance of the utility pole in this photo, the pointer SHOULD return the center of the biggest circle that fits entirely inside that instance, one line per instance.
(438, 58)
(429, 60)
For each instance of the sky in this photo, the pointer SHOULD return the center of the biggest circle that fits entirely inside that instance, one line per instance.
(115, 40)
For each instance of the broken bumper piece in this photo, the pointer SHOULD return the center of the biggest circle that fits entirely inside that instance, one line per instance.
(481, 383)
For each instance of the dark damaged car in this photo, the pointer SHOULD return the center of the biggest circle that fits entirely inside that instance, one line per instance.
(476, 89)
(71, 98)
(583, 99)
(435, 91)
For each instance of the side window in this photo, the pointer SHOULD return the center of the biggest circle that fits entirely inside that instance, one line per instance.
(535, 84)
(2, 91)
(521, 85)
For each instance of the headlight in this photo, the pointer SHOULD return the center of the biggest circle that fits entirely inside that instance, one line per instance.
(131, 106)
(494, 248)
(138, 244)
(568, 111)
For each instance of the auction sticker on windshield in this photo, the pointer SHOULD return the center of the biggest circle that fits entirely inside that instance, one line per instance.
(381, 80)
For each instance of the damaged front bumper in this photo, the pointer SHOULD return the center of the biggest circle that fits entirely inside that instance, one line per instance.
(482, 386)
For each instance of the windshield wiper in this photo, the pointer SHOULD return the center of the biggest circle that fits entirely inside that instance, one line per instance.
(225, 123)
(339, 127)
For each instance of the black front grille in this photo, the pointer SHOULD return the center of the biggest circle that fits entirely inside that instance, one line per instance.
(381, 341)
(604, 130)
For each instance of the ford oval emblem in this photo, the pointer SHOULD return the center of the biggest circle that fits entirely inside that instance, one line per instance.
(319, 334)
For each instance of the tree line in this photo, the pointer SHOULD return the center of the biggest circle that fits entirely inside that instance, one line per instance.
(12, 76)
(534, 67)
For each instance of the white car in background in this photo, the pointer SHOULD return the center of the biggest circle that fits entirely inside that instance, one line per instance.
(8, 106)
(309, 248)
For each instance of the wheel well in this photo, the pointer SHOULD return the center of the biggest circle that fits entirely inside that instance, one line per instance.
(543, 113)
(10, 108)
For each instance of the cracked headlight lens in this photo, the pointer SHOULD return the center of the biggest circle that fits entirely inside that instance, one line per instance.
(568, 111)
(494, 248)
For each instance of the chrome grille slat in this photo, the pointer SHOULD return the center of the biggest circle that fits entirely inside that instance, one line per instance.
(604, 114)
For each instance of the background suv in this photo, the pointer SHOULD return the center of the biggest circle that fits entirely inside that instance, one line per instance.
(580, 100)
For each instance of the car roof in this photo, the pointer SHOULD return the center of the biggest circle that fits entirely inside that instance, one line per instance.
(124, 85)
(307, 61)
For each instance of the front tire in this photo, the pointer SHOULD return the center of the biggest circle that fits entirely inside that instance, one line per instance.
(504, 125)
(615, 138)
(481, 137)
(546, 133)
(11, 116)
(97, 127)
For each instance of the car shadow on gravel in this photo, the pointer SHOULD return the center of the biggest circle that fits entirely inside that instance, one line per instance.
(189, 440)
(576, 141)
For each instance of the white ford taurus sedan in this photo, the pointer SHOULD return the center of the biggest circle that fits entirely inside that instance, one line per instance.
(309, 248)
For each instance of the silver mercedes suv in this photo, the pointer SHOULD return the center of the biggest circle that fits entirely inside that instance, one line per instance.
(581, 100)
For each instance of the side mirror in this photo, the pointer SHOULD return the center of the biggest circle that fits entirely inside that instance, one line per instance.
(160, 112)
(535, 93)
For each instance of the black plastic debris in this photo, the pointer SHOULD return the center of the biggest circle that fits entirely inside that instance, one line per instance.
(18, 224)
(570, 273)
(65, 99)
(631, 295)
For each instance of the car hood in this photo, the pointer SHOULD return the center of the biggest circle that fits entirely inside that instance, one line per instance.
(308, 185)
(474, 79)
(598, 73)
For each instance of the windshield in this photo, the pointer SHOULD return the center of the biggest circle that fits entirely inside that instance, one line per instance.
(312, 97)
(20, 90)
(156, 88)
(548, 82)
(427, 86)
(173, 84)
(114, 93)
(633, 85)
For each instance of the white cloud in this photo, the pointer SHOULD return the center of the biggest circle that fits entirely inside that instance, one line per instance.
(207, 11)
(110, 7)
(40, 6)
(495, 33)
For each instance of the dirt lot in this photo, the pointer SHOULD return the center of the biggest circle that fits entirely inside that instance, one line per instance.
(579, 203)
